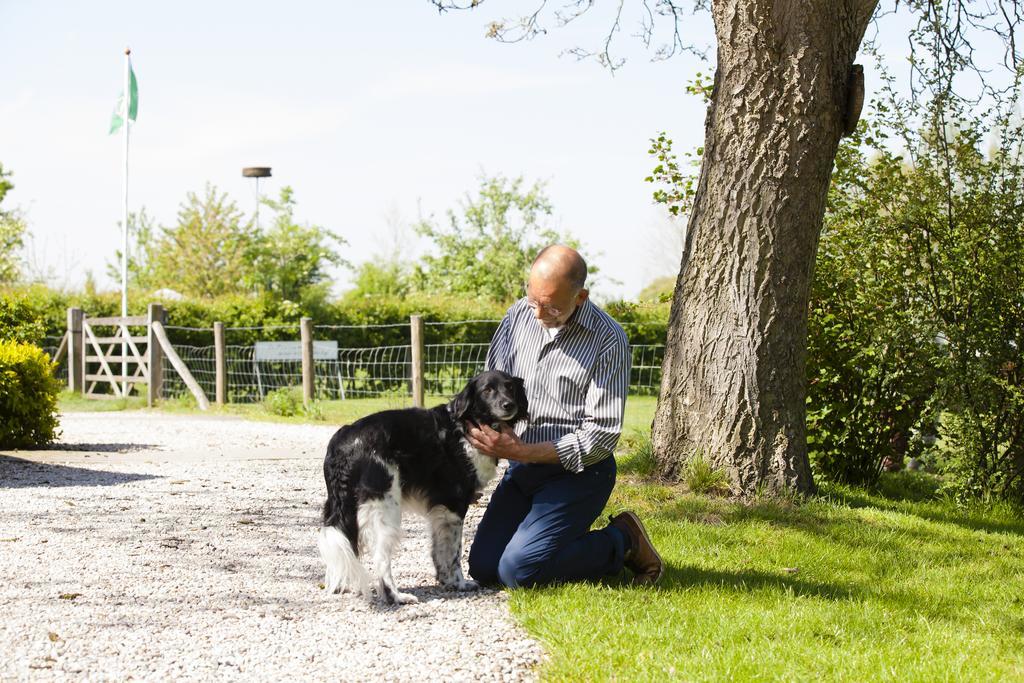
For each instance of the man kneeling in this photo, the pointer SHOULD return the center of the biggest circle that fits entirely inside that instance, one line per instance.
(575, 361)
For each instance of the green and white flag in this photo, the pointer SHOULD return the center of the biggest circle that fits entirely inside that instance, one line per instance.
(133, 103)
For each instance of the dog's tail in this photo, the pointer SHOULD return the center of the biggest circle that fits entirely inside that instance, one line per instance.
(344, 571)
(339, 546)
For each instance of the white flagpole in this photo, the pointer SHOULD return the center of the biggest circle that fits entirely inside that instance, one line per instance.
(124, 215)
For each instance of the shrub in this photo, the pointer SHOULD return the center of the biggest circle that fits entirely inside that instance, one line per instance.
(985, 458)
(28, 396)
(283, 401)
(917, 308)
(20, 318)
(871, 349)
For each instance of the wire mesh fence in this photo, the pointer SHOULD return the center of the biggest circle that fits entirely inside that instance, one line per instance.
(50, 345)
(645, 374)
(452, 353)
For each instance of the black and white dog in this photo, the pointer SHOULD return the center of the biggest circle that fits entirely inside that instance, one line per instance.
(409, 459)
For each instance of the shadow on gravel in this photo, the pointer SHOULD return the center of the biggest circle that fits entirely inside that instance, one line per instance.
(102, 447)
(427, 595)
(16, 473)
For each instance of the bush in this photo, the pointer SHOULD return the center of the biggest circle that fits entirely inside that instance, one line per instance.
(28, 396)
(20, 318)
(917, 307)
(871, 349)
(284, 401)
(986, 448)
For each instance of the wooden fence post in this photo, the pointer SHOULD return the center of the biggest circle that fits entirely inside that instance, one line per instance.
(157, 327)
(306, 335)
(416, 337)
(220, 363)
(76, 351)
(155, 390)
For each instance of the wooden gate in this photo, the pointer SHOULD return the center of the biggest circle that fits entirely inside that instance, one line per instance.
(111, 366)
(116, 362)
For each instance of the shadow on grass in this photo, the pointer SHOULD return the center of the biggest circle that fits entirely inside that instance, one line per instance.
(908, 494)
(683, 577)
(933, 510)
(18, 473)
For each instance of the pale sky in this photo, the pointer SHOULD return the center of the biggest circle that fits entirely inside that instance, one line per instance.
(363, 108)
(367, 109)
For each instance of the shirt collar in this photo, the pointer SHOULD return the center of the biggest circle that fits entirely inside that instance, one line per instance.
(583, 315)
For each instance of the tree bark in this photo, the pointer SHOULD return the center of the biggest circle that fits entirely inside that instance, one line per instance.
(734, 384)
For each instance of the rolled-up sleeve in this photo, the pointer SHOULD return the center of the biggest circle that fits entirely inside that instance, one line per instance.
(605, 405)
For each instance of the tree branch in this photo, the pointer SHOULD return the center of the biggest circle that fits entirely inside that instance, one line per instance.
(652, 14)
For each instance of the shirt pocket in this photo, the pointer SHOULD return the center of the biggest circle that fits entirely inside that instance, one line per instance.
(570, 380)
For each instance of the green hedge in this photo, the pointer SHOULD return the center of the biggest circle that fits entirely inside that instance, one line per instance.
(28, 396)
(644, 323)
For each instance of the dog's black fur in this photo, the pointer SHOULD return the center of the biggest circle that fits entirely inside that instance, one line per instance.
(417, 458)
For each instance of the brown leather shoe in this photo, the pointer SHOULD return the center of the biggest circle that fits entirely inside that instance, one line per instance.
(641, 557)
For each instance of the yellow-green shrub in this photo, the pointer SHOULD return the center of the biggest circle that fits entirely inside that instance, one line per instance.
(28, 396)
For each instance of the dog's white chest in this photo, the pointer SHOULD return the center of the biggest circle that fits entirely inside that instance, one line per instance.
(484, 465)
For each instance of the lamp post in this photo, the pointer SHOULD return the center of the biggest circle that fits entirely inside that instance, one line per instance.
(256, 172)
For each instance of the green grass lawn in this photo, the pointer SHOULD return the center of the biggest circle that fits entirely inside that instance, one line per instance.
(852, 586)
(897, 584)
(331, 412)
(639, 409)
(70, 402)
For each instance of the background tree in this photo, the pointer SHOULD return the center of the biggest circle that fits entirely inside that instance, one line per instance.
(487, 247)
(381, 277)
(658, 290)
(784, 93)
(291, 260)
(214, 250)
(12, 234)
(209, 252)
(142, 232)
(388, 272)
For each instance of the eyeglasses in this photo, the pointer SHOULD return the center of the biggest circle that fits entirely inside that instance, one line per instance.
(555, 312)
(552, 310)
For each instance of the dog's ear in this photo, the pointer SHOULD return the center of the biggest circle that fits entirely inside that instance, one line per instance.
(461, 404)
(522, 412)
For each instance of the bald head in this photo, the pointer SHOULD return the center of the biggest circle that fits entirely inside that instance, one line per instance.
(559, 262)
(556, 287)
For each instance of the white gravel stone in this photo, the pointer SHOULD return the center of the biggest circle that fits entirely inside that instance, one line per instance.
(174, 547)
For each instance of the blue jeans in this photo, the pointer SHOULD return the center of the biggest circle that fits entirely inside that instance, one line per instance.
(535, 529)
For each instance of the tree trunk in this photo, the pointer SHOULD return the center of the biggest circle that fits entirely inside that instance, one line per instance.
(734, 384)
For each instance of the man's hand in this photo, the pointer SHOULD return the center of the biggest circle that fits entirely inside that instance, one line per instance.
(505, 444)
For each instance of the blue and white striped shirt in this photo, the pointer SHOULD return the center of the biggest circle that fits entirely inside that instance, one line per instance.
(576, 382)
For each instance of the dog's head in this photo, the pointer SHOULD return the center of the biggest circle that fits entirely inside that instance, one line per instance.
(490, 398)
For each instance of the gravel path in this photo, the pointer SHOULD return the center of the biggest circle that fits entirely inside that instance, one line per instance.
(187, 549)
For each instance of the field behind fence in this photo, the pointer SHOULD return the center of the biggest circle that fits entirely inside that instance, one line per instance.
(364, 371)
(371, 361)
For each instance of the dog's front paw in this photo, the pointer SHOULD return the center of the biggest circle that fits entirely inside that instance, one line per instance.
(406, 599)
(463, 585)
